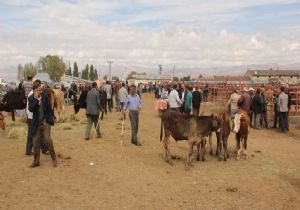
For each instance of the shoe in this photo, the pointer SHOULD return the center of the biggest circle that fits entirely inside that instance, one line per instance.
(137, 143)
(33, 165)
(28, 154)
(99, 136)
(86, 139)
(54, 163)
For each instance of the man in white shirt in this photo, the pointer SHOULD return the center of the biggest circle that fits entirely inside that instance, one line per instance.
(283, 109)
(174, 100)
(108, 90)
(233, 102)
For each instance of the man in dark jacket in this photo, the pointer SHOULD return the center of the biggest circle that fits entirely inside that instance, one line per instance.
(264, 108)
(196, 101)
(245, 102)
(93, 107)
(257, 109)
(39, 105)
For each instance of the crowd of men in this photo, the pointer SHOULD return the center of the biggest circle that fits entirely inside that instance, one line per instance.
(187, 99)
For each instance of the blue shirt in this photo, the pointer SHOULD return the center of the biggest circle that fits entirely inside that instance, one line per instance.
(133, 102)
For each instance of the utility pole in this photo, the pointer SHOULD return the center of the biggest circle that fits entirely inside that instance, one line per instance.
(109, 69)
(173, 73)
(160, 69)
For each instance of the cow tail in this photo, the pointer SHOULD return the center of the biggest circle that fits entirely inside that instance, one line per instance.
(161, 129)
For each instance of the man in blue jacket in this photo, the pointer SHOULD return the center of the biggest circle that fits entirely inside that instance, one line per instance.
(39, 105)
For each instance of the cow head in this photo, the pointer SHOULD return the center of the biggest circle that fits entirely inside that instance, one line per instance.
(237, 123)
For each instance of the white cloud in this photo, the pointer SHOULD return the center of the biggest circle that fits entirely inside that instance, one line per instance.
(92, 31)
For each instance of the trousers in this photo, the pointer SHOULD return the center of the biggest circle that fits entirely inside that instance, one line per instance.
(92, 119)
(134, 121)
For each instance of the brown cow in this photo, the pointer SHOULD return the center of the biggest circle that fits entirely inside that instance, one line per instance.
(241, 128)
(59, 103)
(2, 122)
(186, 127)
(222, 137)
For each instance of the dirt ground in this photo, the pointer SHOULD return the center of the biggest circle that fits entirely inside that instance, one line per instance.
(131, 177)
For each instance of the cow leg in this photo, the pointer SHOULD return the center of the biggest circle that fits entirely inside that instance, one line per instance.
(167, 151)
(210, 143)
(198, 151)
(238, 145)
(245, 146)
(225, 148)
(189, 159)
(219, 146)
(102, 113)
(13, 115)
(203, 143)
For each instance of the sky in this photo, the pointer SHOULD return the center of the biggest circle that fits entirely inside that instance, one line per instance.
(185, 34)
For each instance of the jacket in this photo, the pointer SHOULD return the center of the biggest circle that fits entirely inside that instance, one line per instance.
(245, 102)
(34, 106)
(196, 99)
(93, 105)
(188, 101)
(257, 106)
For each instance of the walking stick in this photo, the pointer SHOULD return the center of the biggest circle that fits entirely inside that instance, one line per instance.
(122, 132)
(96, 126)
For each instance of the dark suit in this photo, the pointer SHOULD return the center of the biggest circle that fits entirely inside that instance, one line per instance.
(196, 101)
(41, 129)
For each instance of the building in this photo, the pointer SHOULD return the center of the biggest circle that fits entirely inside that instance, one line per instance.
(149, 79)
(235, 80)
(274, 76)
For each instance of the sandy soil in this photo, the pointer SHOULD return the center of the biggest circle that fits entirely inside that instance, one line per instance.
(131, 177)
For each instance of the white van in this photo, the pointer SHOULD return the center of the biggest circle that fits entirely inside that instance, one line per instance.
(3, 82)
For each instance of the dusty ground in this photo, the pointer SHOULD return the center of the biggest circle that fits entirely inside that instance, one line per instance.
(131, 177)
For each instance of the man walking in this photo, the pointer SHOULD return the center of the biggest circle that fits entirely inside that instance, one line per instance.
(233, 102)
(42, 121)
(117, 89)
(196, 101)
(29, 143)
(245, 102)
(174, 100)
(27, 85)
(264, 108)
(122, 97)
(93, 108)
(108, 90)
(133, 103)
(283, 109)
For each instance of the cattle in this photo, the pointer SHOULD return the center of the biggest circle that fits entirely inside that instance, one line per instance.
(59, 103)
(241, 130)
(81, 102)
(222, 135)
(186, 127)
(12, 100)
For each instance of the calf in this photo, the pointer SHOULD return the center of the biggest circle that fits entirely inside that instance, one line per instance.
(241, 130)
(186, 127)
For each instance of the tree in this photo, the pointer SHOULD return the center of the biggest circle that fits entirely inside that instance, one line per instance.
(115, 78)
(175, 79)
(200, 76)
(53, 65)
(92, 73)
(29, 69)
(186, 78)
(85, 72)
(75, 70)
(105, 77)
(96, 74)
(69, 71)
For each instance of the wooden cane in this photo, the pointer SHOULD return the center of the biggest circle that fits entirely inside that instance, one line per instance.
(96, 126)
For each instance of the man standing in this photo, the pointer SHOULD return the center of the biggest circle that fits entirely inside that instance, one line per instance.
(275, 99)
(29, 143)
(108, 90)
(133, 103)
(245, 102)
(93, 108)
(42, 120)
(264, 108)
(283, 109)
(233, 102)
(174, 100)
(122, 97)
(257, 109)
(188, 100)
(205, 93)
(27, 85)
(117, 88)
(196, 101)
